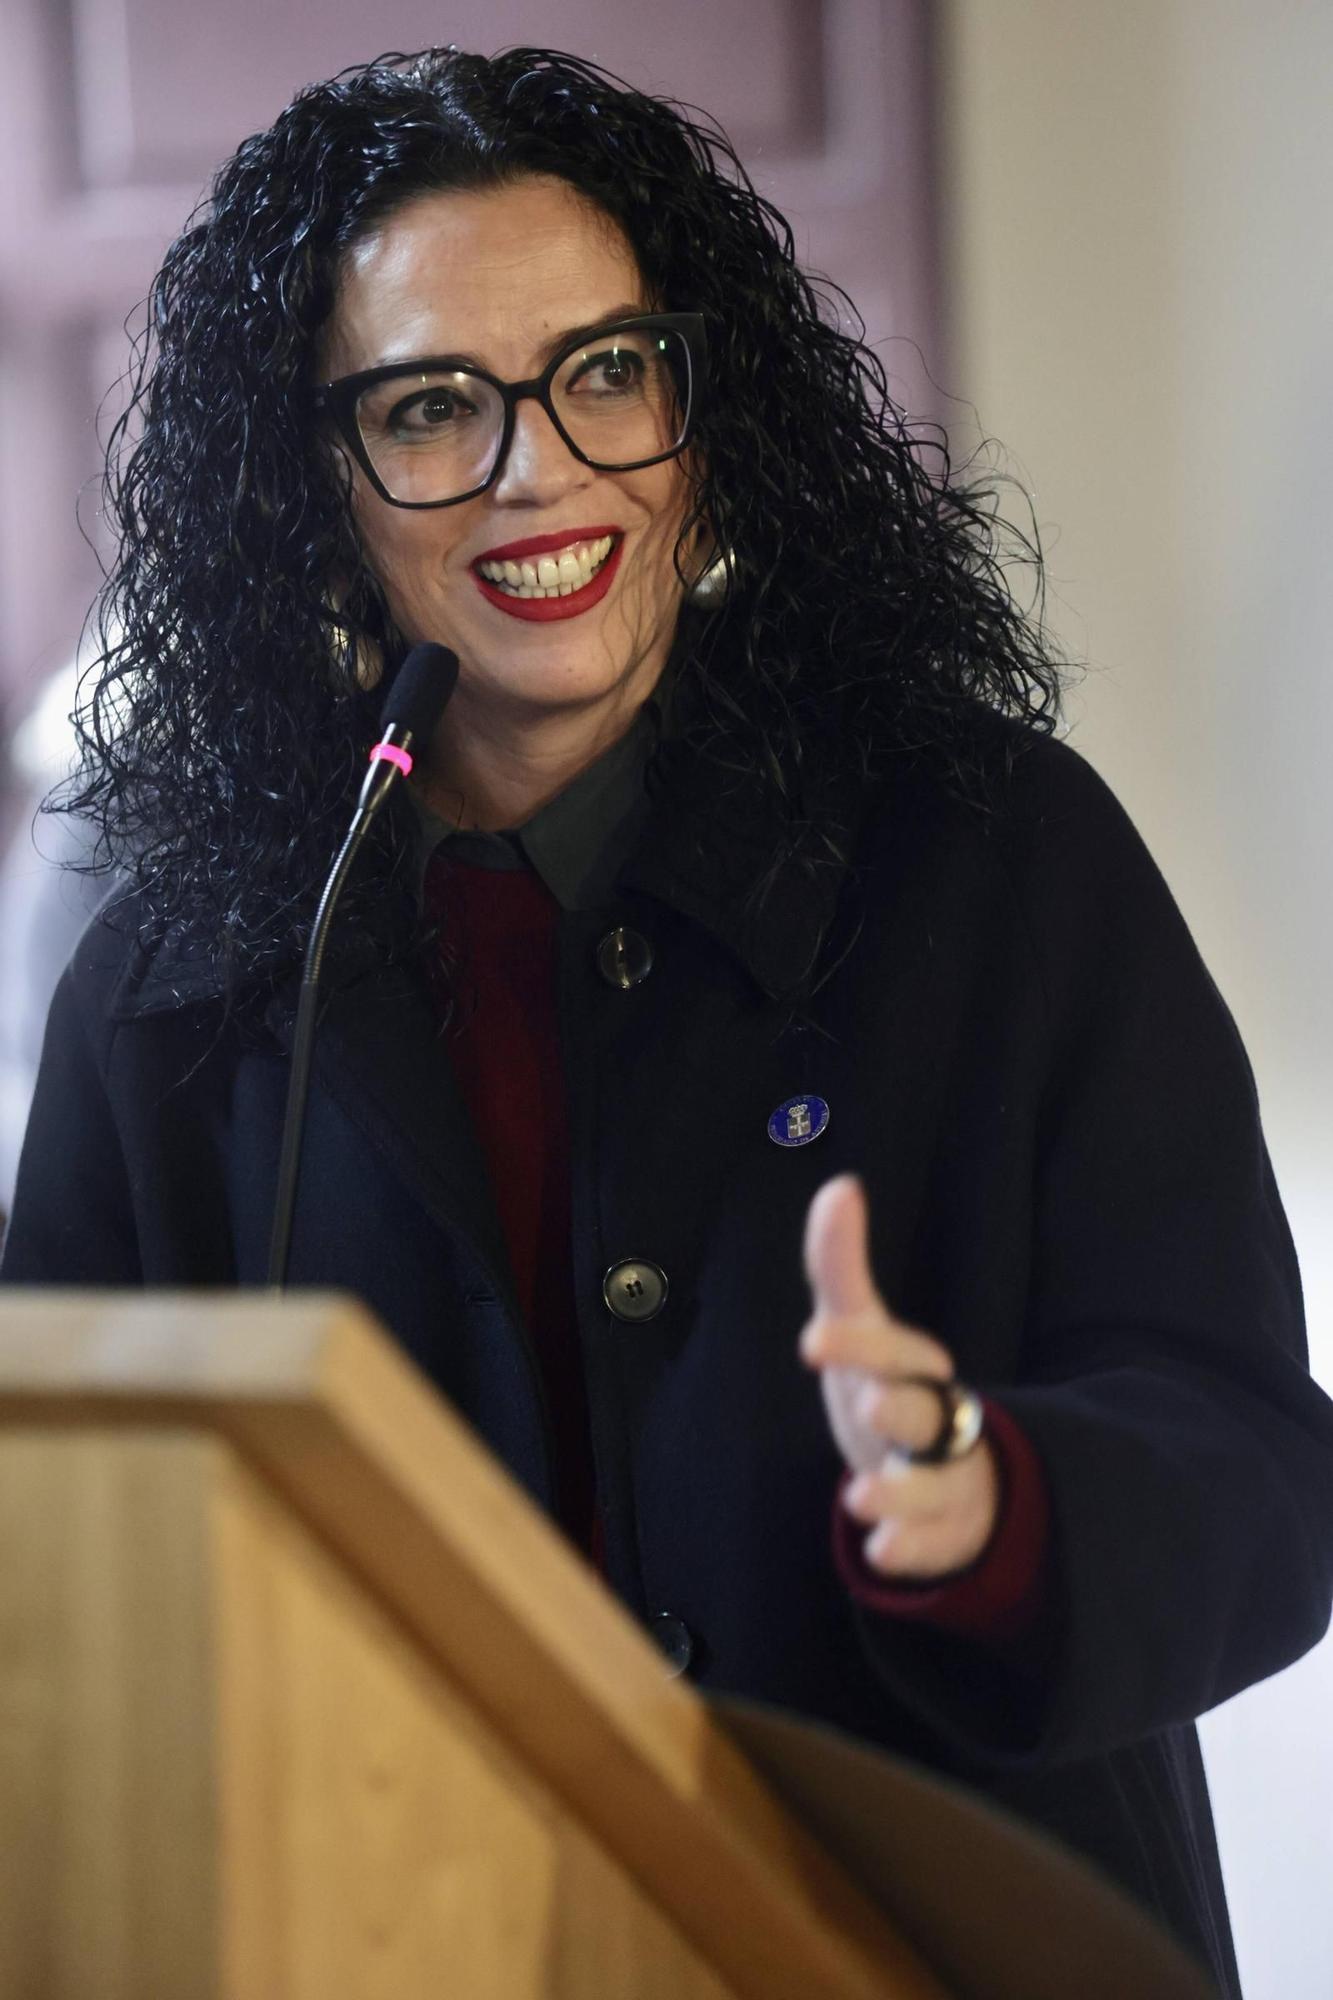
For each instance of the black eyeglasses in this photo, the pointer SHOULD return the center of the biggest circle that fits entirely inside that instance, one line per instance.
(432, 432)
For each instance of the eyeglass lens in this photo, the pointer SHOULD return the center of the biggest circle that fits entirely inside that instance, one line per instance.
(619, 399)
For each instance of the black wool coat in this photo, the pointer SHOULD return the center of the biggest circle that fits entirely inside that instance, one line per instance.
(1028, 1064)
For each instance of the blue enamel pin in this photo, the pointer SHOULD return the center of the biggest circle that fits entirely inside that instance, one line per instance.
(798, 1121)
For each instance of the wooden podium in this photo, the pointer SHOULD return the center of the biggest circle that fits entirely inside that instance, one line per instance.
(302, 1699)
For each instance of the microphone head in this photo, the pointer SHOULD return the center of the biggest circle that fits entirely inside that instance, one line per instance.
(419, 690)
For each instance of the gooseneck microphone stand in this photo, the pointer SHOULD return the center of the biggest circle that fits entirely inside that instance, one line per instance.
(415, 702)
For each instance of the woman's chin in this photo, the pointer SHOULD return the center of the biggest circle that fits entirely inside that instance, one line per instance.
(554, 677)
(556, 664)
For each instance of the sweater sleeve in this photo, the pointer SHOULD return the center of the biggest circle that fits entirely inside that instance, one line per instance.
(1187, 1453)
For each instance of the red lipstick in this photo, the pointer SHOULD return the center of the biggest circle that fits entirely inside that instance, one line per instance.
(544, 545)
(540, 610)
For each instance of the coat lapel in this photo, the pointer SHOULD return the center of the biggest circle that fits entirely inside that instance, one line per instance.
(381, 1056)
(710, 836)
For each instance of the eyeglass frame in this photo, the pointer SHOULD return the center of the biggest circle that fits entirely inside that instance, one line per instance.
(339, 399)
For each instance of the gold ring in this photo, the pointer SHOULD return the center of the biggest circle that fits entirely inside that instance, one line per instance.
(962, 1417)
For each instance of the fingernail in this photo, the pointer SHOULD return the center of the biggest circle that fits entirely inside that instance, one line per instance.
(857, 1494)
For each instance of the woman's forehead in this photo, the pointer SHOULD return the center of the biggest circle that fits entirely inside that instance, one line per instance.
(495, 274)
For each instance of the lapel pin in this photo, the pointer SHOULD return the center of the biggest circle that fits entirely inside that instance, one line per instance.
(798, 1121)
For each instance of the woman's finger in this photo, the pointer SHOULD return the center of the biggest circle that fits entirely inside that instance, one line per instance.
(876, 1343)
(899, 1491)
(917, 1549)
(850, 1326)
(837, 1250)
(902, 1413)
(926, 1520)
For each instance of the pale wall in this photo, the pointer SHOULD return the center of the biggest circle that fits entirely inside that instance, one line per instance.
(1141, 248)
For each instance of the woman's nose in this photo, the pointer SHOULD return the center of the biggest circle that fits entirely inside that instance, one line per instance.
(539, 467)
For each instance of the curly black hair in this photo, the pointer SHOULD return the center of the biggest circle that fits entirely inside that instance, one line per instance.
(224, 724)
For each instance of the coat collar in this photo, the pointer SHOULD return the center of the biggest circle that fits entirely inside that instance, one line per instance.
(381, 1055)
(710, 835)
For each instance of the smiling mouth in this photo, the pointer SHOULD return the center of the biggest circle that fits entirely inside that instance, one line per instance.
(549, 576)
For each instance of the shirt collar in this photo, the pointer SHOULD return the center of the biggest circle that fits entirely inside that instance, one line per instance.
(578, 840)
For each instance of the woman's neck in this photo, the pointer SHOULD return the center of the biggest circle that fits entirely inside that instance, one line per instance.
(484, 774)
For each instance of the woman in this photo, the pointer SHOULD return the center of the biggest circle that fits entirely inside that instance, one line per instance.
(744, 912)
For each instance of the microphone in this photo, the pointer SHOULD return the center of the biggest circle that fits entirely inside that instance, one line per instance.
(414, 704)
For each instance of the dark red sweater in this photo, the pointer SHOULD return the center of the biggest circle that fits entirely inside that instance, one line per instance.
(506, 1056)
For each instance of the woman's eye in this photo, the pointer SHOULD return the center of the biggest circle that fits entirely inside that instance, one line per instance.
(612, 373)
(430, 410)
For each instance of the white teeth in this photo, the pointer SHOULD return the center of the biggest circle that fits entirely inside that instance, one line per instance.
(551, 576)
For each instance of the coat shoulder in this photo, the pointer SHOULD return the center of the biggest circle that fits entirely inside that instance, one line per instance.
(1032, 807)
(124, 968)
(118, 971)
(1070, 846)
(104, 959)
(1054, 864)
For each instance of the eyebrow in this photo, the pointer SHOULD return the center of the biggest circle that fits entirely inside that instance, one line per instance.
(634, 310)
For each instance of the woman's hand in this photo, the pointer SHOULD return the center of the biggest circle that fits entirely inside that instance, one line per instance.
(926, 1520)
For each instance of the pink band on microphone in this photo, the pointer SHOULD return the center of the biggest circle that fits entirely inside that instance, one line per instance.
(392, 753)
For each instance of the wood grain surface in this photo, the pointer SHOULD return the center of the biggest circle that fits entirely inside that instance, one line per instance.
(427, 1729)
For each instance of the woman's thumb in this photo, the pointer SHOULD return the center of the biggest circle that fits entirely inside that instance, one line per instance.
(837, 1249)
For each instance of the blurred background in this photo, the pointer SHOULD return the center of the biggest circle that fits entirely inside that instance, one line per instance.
(1101, 234)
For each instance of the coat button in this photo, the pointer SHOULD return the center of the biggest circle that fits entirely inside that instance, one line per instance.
(675, 1639)
(624, 958)
(635, 1290)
